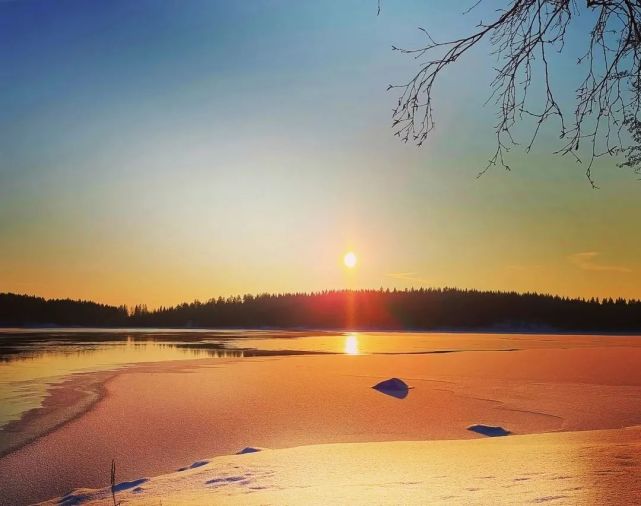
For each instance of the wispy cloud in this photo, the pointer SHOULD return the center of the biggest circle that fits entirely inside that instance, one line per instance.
(588, 261)
(413, 277)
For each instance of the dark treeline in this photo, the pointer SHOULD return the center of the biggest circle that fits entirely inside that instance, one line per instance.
(362, 309)
(19, 310)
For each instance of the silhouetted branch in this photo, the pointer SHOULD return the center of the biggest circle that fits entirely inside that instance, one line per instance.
(521, 37)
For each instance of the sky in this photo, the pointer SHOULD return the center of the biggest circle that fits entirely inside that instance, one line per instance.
(164, 151)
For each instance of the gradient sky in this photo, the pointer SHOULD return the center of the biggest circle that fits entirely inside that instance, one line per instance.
(161, 151)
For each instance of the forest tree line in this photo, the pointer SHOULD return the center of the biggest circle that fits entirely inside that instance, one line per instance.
(424, 309)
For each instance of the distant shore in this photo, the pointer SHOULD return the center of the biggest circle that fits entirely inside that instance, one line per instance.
(436, 309)
(25, 329)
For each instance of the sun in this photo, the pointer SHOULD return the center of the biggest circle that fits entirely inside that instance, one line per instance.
(350, 260)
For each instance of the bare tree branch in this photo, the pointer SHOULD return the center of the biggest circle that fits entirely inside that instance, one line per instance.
(521, 37)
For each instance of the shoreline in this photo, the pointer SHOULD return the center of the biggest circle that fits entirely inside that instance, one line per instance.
(324, 330)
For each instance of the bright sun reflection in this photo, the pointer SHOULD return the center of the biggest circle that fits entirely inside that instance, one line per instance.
(351, 345)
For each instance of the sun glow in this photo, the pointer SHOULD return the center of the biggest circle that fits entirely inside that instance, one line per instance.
(350, 260)
(351, 345)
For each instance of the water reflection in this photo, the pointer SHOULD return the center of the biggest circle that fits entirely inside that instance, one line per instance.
(28, 369)
(351, 344)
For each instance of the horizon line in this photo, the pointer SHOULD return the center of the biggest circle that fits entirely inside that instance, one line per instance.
(336, 291)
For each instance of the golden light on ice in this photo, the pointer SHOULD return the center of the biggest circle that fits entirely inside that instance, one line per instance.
(351, 345)
(350, 260)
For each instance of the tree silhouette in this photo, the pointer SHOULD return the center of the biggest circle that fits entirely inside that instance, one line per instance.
(523, 35)
(426, 309)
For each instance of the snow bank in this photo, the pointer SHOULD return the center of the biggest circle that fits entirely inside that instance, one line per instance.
(557, 468)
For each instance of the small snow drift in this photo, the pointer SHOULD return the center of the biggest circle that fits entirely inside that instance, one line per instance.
(228, 479)
(394, 387)
(196, 464)
(72, 499)
(249, 449)
(489, 430)
(126, 485)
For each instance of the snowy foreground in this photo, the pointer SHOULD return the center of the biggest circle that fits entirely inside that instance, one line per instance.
(591, 467)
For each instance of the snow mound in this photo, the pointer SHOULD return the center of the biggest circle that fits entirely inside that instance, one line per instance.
(126, 485)
(72, 499)
(489, 430)
(196, 464)
(249, 449)
(394, 386)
